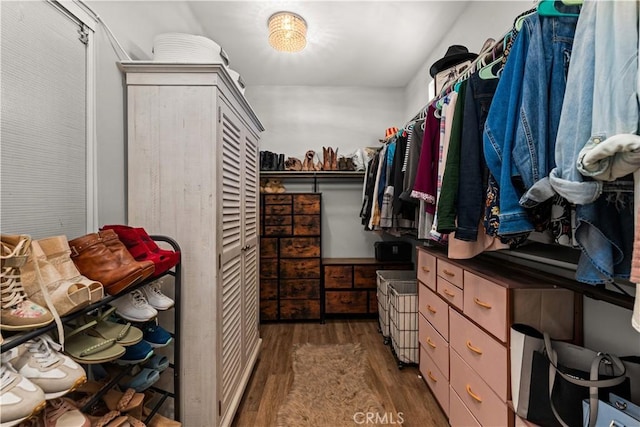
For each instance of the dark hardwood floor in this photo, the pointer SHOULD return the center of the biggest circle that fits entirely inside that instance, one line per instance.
(400, 390)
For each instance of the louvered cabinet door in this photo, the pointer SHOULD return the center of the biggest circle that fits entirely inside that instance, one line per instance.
(250, 236)
(230, 244)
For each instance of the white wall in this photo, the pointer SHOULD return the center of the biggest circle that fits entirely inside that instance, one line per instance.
(479, 21)
(134, 25)
(301, 118)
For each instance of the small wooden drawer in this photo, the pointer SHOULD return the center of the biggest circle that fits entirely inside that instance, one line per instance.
(436, 381)
(268, 310)
(450, 293)
(306, 204)
(427, 269)
(268, 269)
(452, 273)
(300, 247)
(365, 276)
(306, 225)
(373, 302)
(291, 309)
(268, 288)
(277, 230)
(434, 345)
(486, 303)
(277, 210)
(277, 199)
(277, 220)
(353, 302)
(338, 276)
(300, 289)
(476, 395)
(300, 268)
(434, 309)
(460, 414)
(483, 353)
(268, 247)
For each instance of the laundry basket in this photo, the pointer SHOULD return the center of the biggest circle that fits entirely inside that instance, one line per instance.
(384, 278)
(403, 321)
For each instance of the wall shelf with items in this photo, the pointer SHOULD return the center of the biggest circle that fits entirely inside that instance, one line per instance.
(315, 176)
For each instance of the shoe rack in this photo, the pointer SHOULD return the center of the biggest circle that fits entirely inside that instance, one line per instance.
(162, 394)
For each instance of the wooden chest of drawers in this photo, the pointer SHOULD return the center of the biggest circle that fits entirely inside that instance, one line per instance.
(466, 309)
(290, 254)
(350, 284)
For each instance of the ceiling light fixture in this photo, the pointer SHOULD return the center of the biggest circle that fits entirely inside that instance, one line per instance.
(287, 32)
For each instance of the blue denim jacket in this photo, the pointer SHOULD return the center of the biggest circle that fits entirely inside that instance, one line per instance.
(500, 131)
(543, 92)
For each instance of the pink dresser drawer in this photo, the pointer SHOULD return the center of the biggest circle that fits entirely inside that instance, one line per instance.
(524, 423)
(450, 272)
(434, 309)
(435, 380)
(450, 293)
(476, 395)
(427, 269)
(434, 345)
(460, 414)
(486, 303)
(483, 353)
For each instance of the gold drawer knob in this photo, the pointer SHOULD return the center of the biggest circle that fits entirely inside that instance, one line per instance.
(472, 348)
(431, 343)
(472, 394)
(425, 269)
(481, 303)
(448, 293)
(448, 273)
(431, 377)
(431, 309)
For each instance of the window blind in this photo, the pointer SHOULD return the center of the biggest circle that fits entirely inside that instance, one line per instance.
(43, 148)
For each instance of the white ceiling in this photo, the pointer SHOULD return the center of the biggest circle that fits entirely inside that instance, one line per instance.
(350, 43)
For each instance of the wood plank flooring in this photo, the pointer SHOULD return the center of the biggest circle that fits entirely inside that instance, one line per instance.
(399, 390)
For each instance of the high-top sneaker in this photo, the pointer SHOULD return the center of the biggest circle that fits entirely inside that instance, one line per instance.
(18, 312)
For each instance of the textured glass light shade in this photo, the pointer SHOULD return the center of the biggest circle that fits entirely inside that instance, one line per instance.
(287, 32)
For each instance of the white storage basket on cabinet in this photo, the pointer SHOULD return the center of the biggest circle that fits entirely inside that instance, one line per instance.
(385, 277)
(403, 321)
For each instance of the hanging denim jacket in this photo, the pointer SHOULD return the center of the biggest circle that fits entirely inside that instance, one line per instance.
(500, 131)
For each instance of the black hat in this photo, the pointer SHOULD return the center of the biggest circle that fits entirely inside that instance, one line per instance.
(455, 55)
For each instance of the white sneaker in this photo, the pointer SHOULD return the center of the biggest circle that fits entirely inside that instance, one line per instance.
(19, 397)
(155, 297)
(40, 361)
(134, 307)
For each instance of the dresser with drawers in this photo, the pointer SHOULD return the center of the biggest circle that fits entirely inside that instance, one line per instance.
(290, 254)
(350, 285)
(466, 308)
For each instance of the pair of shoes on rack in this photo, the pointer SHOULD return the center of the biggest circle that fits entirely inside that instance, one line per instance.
(102, 257)
(143, 304)
(143, 248)
(330, 159)
(309, 163)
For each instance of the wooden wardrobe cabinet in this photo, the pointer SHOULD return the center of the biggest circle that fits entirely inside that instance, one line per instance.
(193, 174)
(290, 252)
(465, 312)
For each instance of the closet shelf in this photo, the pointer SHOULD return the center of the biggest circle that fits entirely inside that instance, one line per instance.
(312, 174)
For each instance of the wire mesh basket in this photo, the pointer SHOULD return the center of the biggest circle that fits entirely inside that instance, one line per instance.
(403, 321)
(384, 278)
